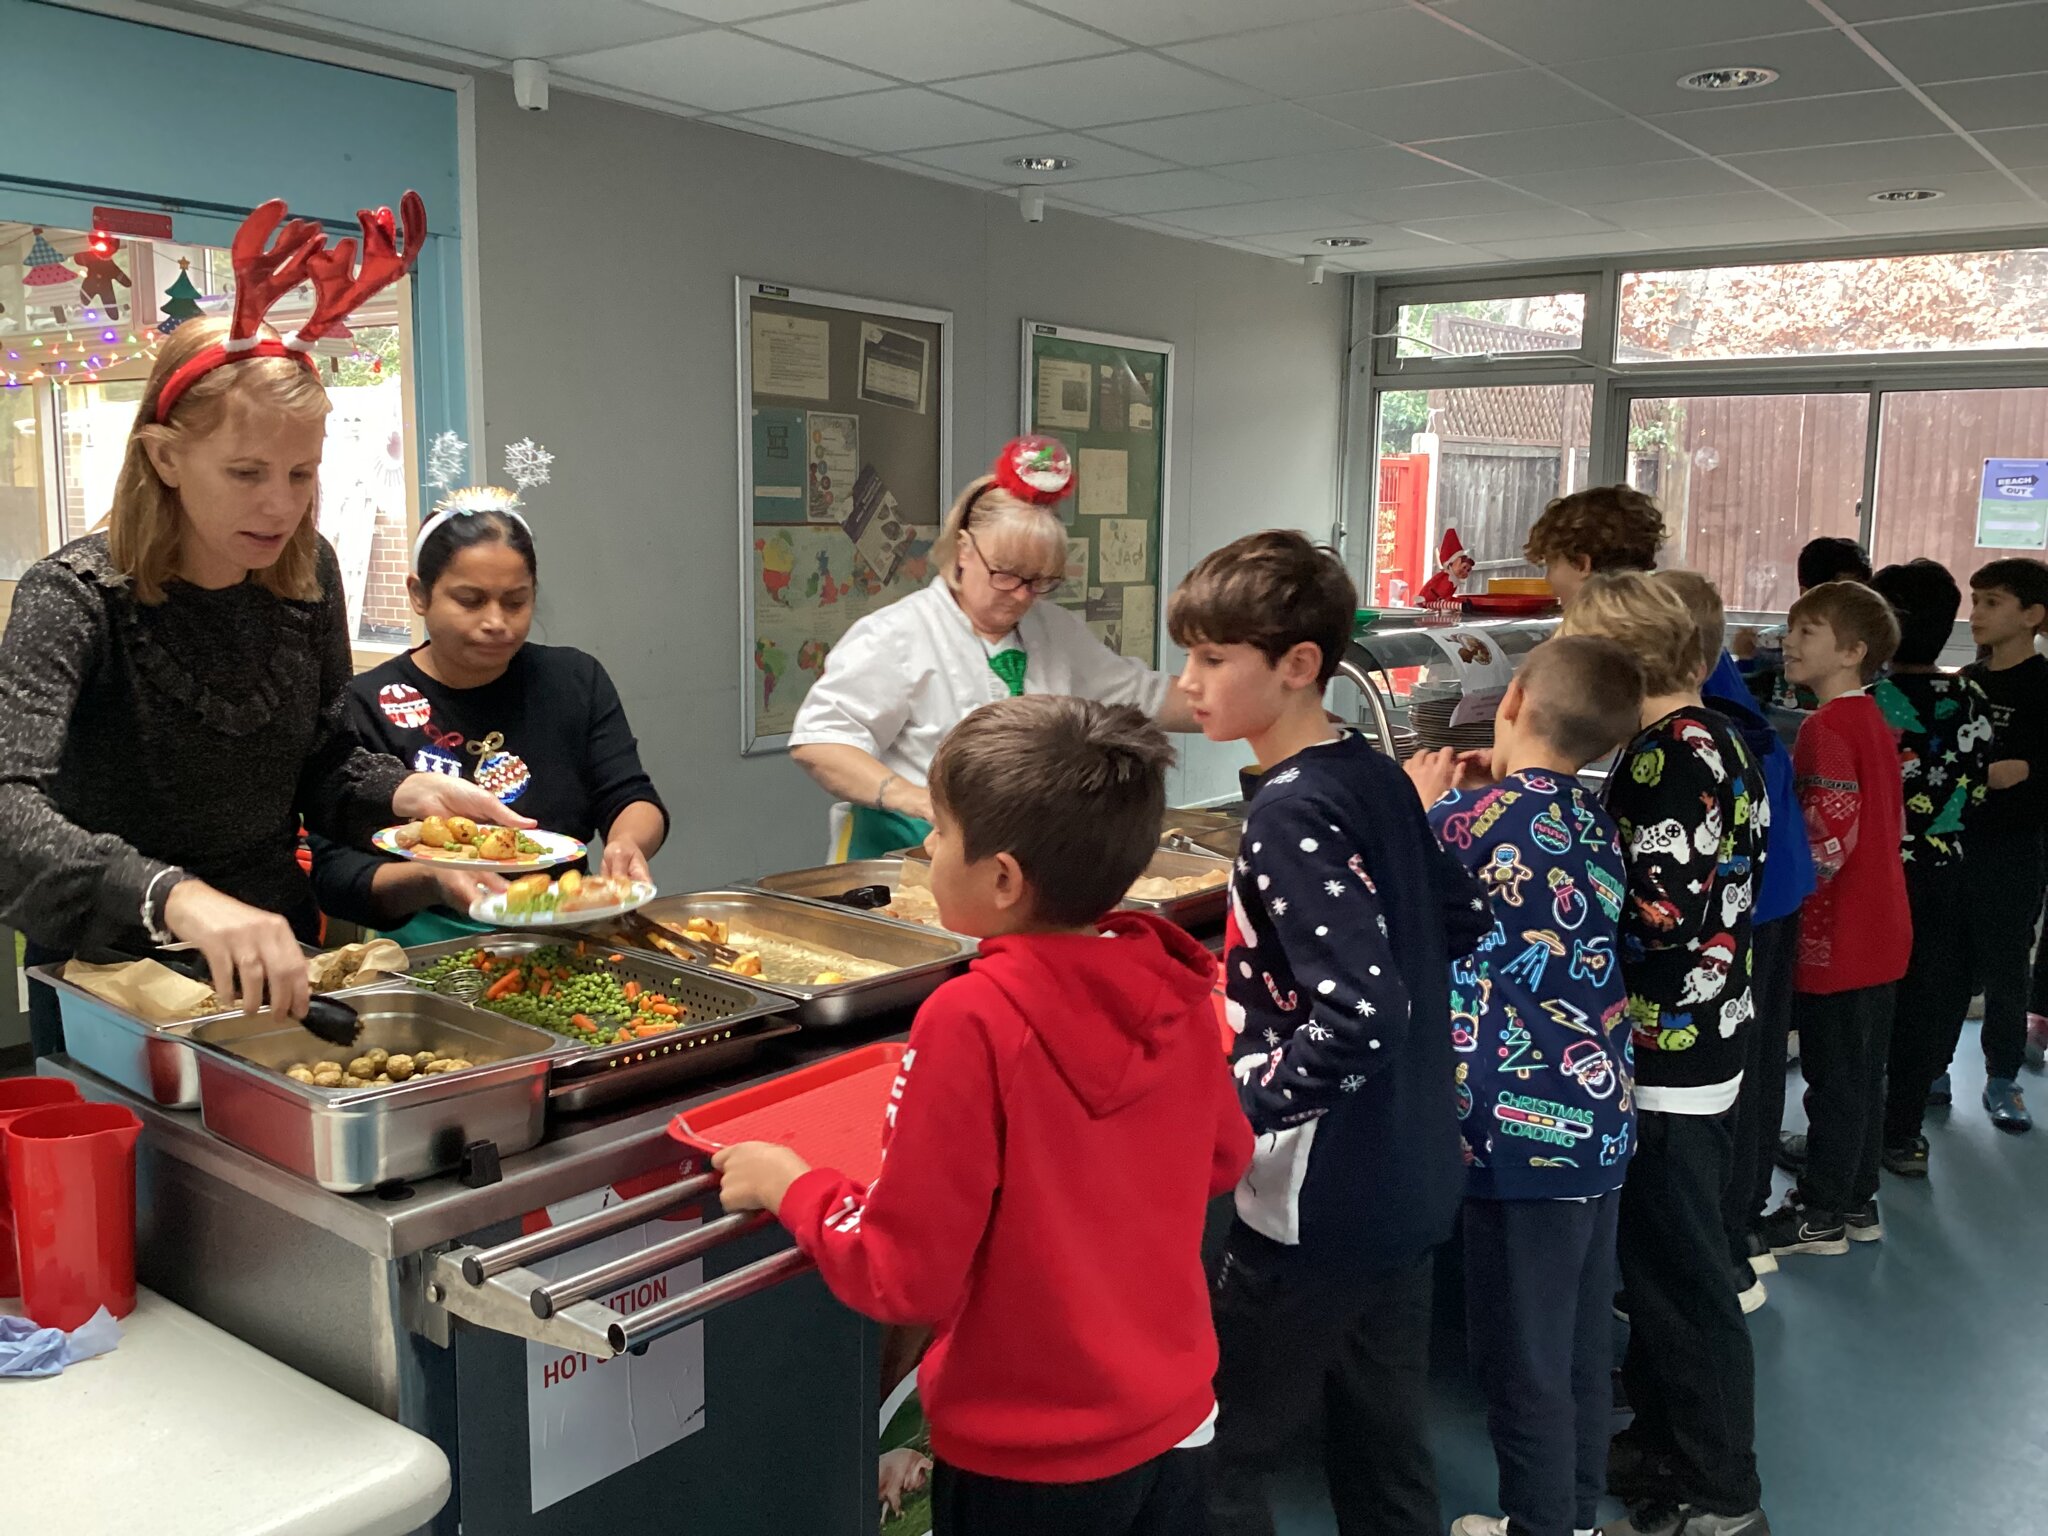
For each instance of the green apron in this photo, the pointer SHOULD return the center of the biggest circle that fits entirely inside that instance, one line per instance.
(876, 833)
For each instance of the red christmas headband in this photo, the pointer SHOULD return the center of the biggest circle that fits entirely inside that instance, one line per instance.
(1035, 469)
(266, 271)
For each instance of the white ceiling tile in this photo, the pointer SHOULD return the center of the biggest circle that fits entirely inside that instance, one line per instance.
(725, 12)
(1387, 239)
(524, 29)
(932, 173)
(1246, 219)
(1894, 159)
(1447, 200)
(1152, 22)
(1737, 129)
(1970, 190)
(1343, 170)
(1433, 259)
(1856, 11)
(1161, 192)
(2020, 148)
(720, 72)
(1265, 131)
(1534, 224)
(1823, 63)
(1583, 145)
(933, 39)
(1614, 242)
(1664, 212)
(1559, 31)
(1345, 53)
(1093, 159)
(1693, 237)
(771, 131)
(2014, 101)
(1934, 217)
(889, 122)
(1582, 187)
(2038, 180)
(375, 36)
(1087, 93)
(1525, 98)
(1966, 45)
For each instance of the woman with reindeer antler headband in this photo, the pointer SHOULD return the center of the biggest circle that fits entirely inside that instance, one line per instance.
(173, 688)
(538, 726)
(906, 675)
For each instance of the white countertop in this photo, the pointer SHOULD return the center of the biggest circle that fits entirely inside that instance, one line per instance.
(187, 1431)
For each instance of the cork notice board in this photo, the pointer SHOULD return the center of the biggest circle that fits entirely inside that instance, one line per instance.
(845, 444)
(1109, 399)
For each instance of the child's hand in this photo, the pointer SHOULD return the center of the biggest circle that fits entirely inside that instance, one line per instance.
(2006, 773)
(1433, 773)
(902, 1472)
(754, 1176)
(1477, 769)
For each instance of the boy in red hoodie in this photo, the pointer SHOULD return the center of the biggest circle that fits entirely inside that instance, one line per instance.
(1062, 1121)
(1856, 929)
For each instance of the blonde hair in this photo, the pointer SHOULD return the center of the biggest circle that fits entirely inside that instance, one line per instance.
(1703, 601)
(146, 525)
(1649, 619)
(998, 517)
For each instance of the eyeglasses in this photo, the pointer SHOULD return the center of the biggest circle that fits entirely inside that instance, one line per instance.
(1013, 581)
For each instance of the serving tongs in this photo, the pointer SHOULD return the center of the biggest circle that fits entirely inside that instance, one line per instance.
(329, 1018)
(678, 942)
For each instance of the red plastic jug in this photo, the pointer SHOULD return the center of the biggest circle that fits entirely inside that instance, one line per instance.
(19, 1095)
(71, 1172)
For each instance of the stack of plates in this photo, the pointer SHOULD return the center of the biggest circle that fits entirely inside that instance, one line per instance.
(1431, 718)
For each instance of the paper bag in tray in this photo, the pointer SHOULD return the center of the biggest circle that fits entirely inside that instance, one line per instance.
(144, 989)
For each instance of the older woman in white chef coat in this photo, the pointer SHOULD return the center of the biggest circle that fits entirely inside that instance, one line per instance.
(906, 675)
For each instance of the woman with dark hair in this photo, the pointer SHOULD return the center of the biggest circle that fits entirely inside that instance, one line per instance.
(539, 726)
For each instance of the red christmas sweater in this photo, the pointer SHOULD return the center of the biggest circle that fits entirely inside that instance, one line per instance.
(1856, 929)
(1062, 1121)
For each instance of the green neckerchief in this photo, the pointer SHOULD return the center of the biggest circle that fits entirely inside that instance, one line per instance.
(1009, 666)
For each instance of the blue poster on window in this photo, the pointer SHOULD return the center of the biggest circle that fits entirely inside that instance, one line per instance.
(2012, 506)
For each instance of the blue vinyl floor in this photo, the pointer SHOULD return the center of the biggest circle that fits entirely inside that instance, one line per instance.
(1902, 1389)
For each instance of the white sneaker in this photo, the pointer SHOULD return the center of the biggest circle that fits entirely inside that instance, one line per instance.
(1754, 1297)
(1480, 1525)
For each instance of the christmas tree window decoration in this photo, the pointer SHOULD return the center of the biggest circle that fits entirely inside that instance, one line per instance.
(46, 270)
(181, 300)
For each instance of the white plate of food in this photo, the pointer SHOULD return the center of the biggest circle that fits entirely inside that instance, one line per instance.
(456, 842)
(576, 898)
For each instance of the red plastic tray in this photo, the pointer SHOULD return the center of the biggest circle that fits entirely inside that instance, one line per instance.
(830, 1114)
(1510, 604)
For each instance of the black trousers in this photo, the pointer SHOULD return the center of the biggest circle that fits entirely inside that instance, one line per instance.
(1844, 1042)
(1539, 1279)
(2004, 903)
(1688, 1370)
(1760, 1107)
(1294, 1339)
(1162, 1497)
(1933, 997)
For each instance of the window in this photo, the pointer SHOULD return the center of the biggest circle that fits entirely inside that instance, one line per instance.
(21, 477)
(1483, 461)
(1877, 304)
(1494, 327)
(1746, 480)
(1931, 449)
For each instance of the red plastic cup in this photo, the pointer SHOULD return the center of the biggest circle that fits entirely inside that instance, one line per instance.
(71, 1173)
(19, 1095)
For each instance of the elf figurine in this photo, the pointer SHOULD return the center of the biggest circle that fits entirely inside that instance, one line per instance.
(1453, 565)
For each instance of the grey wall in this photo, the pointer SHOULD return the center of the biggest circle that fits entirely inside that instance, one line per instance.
(609, 238)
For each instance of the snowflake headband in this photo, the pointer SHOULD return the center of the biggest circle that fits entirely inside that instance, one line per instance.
(527, 464)
(265, 271)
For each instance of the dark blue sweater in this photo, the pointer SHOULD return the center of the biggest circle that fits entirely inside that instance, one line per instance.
(1788, 877)
(1347, 916)
(1546, 1072)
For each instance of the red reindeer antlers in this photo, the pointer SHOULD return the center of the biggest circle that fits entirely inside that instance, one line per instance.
(267, 270)
(341, 287)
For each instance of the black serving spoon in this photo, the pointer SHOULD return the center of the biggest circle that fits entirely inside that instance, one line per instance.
(329, 1018)
(864, 898)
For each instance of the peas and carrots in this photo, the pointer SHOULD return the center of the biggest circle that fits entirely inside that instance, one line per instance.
(568, 991)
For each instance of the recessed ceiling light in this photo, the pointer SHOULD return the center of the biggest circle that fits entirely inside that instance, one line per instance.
(1343, 242)
(1906, 195)
(1736, 77)
(1040, 163)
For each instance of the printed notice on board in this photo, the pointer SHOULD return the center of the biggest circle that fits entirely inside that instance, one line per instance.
(778, 466)
(893, 367)
(1120, 554)
(792, 356)
(1064, 392)
(834, 466)
(1105, 476)
(1140, 604)
(2012, 505)
(587, 1418)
